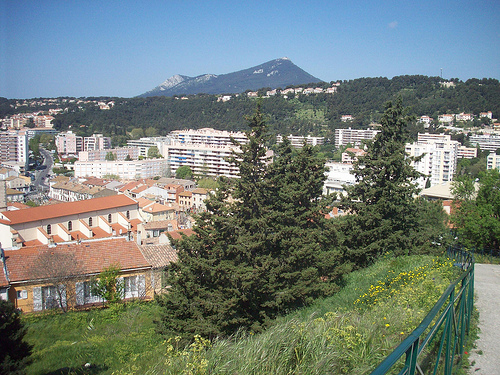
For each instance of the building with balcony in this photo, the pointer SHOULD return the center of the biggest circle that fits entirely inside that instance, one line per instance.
(353, 137)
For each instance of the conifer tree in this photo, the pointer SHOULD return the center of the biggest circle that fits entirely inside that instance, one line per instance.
(259, 250)
(384, 212)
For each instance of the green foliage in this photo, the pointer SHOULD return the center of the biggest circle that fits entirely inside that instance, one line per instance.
(111, 176)
(110, 156)
(14, 351)
(314, 114)
(122, 339)
(115, 339)
(207, 183)
(385, 214)
(265, 252)
(476, 216)
(184, 172)
(106, 285)
(153, 152)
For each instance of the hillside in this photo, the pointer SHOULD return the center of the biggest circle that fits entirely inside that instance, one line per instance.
(315, 114)
(274, 74)
(123, 339)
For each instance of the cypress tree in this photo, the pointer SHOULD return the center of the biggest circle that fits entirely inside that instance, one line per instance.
(261, 248)
(384, 212)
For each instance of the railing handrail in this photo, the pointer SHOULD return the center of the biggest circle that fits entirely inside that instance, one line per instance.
(467, 264)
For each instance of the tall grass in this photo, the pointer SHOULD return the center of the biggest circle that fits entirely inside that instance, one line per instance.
(348, 333)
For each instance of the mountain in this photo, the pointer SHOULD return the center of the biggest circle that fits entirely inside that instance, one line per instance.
(275, 73)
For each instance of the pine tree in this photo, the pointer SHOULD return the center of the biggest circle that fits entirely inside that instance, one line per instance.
(259, 250)
(384, 212)
(14, 351)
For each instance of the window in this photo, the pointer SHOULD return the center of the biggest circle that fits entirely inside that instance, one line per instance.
(49, 297)
(49, 229)
(90, 221)
(22, 294)
(134, 286)
(128, 215)
(70, 226)
(109, 218)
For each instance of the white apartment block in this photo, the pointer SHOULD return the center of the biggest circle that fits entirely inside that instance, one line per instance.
(207, 136)
(147, 168)
(338, 175)
(354, 137)
(298, 141)
(490, 142)
(14, 147)
(493, 161)
(120, 153)
(96, 142)
(467, 152)
(439, 160)
(203, 159)
(70, 143)
(143, 144)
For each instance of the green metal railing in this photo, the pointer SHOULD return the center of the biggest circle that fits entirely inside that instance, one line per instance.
(448, 321)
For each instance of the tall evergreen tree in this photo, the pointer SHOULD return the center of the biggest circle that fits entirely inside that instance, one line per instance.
(384, 211)
(14, 351)
(254, 255)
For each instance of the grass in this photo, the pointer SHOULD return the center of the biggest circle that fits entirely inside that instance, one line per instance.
(348, 333)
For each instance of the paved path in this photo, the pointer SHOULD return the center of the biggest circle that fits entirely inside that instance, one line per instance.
(487, 292)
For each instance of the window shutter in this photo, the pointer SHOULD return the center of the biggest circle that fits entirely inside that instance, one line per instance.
(62, 288)
(120, 286)
(141, 286)
(37, 299)
(80, 296)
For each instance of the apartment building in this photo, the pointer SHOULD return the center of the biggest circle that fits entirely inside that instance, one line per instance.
(96, 142)
(493, 161)
(64, 222)
(14, 147)
(354, 137)
(71, 144)
(209, 160)
(439, 157)
(134, 169)
(337, 176)
(145, 143)
(207, 136)
(298, 141)
(490, 142)
(120, 153)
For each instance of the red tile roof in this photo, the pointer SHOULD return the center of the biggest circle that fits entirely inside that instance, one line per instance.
(177, 234)
(159, 255)
(92, 257)
(66, 209)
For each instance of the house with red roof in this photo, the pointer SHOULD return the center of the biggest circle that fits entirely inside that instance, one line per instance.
(42, 277)
(104, 217)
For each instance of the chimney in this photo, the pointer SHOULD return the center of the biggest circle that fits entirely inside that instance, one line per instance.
(138, 238)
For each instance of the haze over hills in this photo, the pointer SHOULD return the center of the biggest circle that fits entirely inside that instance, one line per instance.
(274, 74)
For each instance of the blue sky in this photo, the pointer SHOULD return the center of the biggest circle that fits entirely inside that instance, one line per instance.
(124, 48)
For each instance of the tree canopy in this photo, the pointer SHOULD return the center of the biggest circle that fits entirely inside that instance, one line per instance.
(184, 172)
(384, 214)
(14, 351)
(476, 214)
(262, 248)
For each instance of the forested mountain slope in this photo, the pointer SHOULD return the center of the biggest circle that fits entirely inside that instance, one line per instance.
(315, 114)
